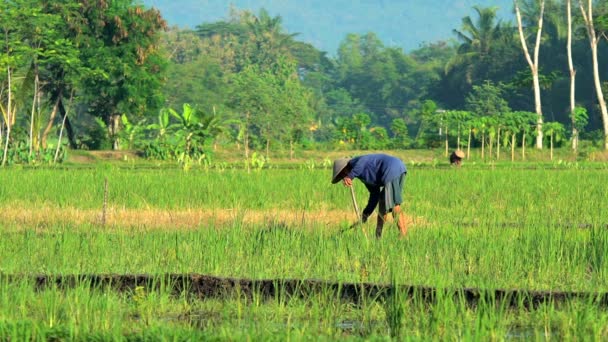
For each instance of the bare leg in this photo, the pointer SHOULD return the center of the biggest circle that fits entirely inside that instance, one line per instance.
(401, 223)
(380, 225)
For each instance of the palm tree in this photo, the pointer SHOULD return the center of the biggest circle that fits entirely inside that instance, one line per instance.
(268, 39)
(554, 22)
(478, 39)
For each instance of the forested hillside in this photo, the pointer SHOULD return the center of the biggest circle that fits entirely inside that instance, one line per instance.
(402, 23)
(100, 75)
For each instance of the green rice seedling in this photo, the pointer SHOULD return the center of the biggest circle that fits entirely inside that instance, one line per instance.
(545, 258)
(537, 229)
(82, 312)
(394, 309)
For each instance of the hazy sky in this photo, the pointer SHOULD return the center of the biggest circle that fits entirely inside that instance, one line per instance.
(324, 23)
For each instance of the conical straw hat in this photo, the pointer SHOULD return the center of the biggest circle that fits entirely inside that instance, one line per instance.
(339, 165)
(459, 154)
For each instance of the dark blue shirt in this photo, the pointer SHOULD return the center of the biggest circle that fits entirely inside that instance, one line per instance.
(375, 170)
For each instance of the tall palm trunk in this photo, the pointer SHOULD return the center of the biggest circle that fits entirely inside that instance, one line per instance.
(594, 41)
(469, 144)
(534, 67)
(268, 129)
(68, 125)
(498, 145)
(267, 148)
(49, 126)
(490, 144)
(114, 130)
(523, 147)
(483, 145)
(551, 142)
(8, 117)
(65, 117)
(572, 77)
(246, 140)
(446, 142)
(512, 147)
(35, 104)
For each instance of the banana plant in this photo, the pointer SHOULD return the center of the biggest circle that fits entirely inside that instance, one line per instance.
(527, 126)
(480, 129)
(186, 129)
(492, 131)
(160, 148)
(130, 131)
(511, 123)
(162, 124)
(469, 123)
(194, 129)
(458, 119)
(361, 121)
(556, 133)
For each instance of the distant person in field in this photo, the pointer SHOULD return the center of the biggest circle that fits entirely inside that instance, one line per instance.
(456, 158)
(384, 176)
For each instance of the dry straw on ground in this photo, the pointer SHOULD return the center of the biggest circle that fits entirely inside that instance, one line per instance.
(162, 219)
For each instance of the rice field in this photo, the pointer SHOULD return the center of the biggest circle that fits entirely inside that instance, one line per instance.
(540, 229)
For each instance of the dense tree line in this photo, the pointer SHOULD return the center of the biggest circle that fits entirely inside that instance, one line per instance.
(111, 74)
(99, 58)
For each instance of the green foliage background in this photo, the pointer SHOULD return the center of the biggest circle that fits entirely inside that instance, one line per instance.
(256, 86)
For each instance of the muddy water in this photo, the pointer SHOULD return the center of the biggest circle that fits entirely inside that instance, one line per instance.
(203, 286)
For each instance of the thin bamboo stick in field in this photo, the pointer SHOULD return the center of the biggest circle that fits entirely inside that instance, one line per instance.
(105, 202)
(352, 195)
(359, 220)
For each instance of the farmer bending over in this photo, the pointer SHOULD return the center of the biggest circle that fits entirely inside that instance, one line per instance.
(456, 158)
(383, 175)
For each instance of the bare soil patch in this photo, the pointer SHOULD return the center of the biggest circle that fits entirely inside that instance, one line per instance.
(92, 157)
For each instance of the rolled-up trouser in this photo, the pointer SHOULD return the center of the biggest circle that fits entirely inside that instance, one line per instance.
(391, 194)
